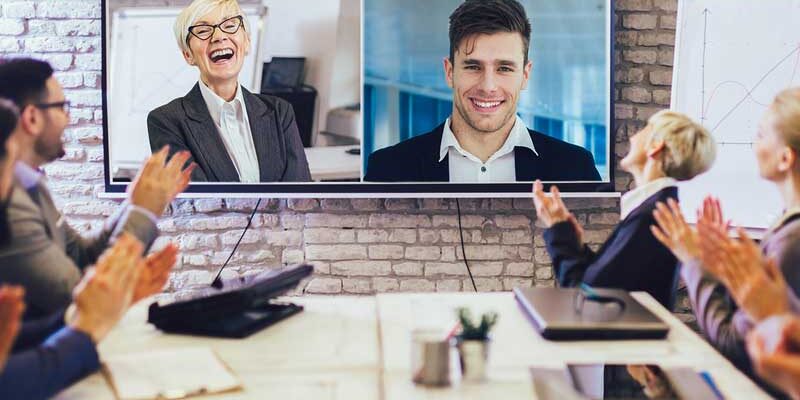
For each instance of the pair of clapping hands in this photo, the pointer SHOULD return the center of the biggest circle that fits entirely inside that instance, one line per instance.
(120, 278)
(754, 282)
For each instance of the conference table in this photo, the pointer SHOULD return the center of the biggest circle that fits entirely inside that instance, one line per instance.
(348, 347)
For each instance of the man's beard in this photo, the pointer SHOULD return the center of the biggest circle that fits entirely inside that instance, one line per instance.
(461, 109)
(49, 152)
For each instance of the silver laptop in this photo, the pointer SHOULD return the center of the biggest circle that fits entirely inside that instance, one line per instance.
(588, 314)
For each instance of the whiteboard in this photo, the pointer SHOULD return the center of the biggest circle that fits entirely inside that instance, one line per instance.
(146, 70)
(731, 59)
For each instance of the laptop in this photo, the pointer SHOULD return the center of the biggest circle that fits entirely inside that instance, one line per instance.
(599, 314)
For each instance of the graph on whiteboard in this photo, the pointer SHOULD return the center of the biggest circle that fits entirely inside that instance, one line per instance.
(731, 59)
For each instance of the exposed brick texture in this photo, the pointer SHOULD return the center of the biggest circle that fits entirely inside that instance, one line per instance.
(357, 246)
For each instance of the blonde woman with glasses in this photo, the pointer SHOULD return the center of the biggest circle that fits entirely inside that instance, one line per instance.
(232, 134)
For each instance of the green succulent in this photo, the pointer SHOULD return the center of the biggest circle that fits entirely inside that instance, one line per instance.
(471, 331)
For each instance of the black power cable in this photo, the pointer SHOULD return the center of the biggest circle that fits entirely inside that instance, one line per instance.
(217, 283)
(463, 250)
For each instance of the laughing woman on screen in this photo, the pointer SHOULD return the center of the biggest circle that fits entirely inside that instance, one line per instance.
(233, 135)
(669, 149)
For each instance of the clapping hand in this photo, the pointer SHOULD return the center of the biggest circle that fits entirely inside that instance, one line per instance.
(674, 233)
(159, 181)
(755, 283)
(12, 305)
(552, 210)
(154, 272)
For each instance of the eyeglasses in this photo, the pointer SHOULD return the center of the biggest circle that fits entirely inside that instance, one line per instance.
(205, 31)
(63, 105)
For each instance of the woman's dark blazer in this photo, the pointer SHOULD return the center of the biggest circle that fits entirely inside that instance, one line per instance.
(186, 124)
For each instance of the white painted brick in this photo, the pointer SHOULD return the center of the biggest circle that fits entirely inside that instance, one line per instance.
(544, 273)
(512, 221)
(372, 236)
(292, 256)
(336, 252)
(284, 238)
(192, 241)
(520, 269)
(486, 284)
(70, 80)
(335, 204)
(98, 116)
(361, 268)
(467, 221)
(357, 286)
(336, 221)
(9, 45)
(49, 44)
(19, 9)
(401, 204)
(423, 253)
(208, 205)
(85, 97)
(448, 285)
(417, 285)
(435, 204)
(399, 221)
(230, 238)
(541, 256)
(79, 115)
(449, 253)
(324, 286)
(386, 252)
(328, 235)
(303, 204)
(68, 9)
(259, 256)
(408, 236)
(491, 268)
(73, 154)
(191, 278)
(213, 223)
(428, 236)
(511, 283)
(87, 45)
(407, 269)
(449, 269)
(78, 27)
(266, 220)
(321, 267)
(39, 27)
(517, 236)
(88, 62)
(489, 252)
(292, 221)
(383, 285)
(365, 204)
(11, 26)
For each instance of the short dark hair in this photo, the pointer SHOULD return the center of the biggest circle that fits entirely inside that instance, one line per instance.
(487, 17)
(9, 114)
(24, 80)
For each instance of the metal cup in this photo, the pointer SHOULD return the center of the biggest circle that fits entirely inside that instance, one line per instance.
(430, 358)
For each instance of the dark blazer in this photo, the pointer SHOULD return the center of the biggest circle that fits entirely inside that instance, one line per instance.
(46, 366)
(417, 160)
(631, 258)
(185, 124)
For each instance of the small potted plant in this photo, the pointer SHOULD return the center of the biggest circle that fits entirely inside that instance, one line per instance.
(473, 344)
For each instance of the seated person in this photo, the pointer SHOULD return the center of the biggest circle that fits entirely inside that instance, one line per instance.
(484, 140)
(778, 364)
(42, 252)
(725, 325)
(233, 135)
(669, 149)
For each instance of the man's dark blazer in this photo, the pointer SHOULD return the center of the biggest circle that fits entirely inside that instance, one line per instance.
(417, 160)
(631, 259)
(185, 124)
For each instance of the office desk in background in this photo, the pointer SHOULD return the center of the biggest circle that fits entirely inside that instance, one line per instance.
(359, 348)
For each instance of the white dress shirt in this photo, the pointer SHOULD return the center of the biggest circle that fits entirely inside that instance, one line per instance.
(500, 167)
(230, 118)
(633, 199)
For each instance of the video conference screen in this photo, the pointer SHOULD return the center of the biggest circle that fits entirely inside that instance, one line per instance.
(363, 97)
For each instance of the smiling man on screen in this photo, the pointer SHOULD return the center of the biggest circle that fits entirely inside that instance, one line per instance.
(484, 141)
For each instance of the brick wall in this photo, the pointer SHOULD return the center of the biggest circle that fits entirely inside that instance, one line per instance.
(357, 246)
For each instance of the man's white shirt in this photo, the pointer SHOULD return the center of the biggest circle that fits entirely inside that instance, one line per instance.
(500, 167)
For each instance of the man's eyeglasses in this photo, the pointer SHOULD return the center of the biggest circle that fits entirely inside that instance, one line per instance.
(63, 105)
(205, 31)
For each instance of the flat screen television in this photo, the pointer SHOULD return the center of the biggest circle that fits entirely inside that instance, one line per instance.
(379, 68)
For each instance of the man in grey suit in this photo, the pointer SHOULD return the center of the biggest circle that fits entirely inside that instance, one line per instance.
(44, 254)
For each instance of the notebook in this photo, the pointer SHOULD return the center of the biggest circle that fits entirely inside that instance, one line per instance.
(172, 374)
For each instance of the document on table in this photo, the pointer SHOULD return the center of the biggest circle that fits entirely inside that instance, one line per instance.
(171, 374)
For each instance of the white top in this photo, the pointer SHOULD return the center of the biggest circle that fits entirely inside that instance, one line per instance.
(230, 118)
(633, 199)
(500, 167)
